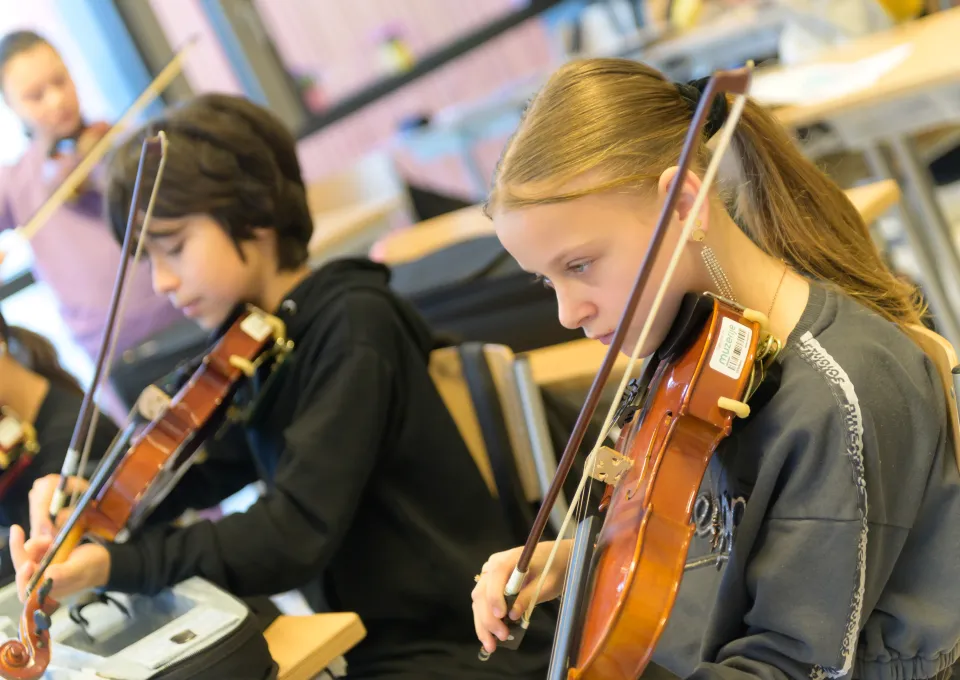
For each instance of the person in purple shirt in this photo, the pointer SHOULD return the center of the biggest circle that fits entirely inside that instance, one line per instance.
(74, 252)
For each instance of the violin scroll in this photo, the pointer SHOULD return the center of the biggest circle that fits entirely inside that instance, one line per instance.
(27, 658)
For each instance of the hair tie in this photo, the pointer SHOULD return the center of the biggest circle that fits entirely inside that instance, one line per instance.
(691, 93)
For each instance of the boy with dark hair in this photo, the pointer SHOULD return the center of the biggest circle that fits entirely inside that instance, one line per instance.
(372, 491)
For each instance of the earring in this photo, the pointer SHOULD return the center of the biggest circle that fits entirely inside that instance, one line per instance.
(698, 234)
(717, 275)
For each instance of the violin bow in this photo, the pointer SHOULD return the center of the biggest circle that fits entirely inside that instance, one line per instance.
(734, 81)
(27, 656)
(83, 169)
(74, 462)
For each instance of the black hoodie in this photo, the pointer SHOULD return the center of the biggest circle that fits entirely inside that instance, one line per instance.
(371, 491)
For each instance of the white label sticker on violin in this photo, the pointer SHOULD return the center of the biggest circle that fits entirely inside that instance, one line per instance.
(10, 432)
(256, 326)
(730, 352)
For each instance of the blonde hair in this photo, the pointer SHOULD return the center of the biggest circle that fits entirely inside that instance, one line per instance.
(624, 123)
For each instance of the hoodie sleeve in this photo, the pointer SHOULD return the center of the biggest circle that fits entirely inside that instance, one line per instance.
(288, 536)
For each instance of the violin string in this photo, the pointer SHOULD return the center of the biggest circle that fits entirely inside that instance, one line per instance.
(723, 142)
(84, 457)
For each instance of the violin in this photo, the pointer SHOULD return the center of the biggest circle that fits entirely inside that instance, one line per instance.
(131, 480)
(616, 602)
(62, 154)
(80, 141)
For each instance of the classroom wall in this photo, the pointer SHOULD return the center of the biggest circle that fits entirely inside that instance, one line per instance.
(334, 40)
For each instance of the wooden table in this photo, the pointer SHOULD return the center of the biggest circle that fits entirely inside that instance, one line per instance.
(404, 245)
(881, 121)
(933, 63)
(349, 229)
(304, 646)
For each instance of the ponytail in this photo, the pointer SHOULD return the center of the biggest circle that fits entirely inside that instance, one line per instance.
(794, 212)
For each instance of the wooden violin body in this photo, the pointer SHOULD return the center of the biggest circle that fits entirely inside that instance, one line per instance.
(166, 447)
(642, 547)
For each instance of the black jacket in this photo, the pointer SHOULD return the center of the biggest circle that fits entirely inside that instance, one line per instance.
(54, 424)
(371, 490)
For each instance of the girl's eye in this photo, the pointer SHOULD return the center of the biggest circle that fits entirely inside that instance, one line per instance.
(176, 249)
(578, 267)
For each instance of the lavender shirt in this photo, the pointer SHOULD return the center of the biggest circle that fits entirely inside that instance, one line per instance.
(76, 255)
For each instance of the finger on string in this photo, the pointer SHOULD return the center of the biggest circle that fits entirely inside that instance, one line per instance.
(64, 578)
(63, 516)
(17, 539)
(24, 574)
(39, 499)
(36, 548)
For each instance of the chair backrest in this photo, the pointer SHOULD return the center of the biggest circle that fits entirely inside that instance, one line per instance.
(944, 357)
(503, 424)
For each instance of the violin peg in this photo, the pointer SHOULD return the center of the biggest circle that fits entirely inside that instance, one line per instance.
(759, 317)
(45, 588)
(738, 408)
(41, 620)
(245, 366)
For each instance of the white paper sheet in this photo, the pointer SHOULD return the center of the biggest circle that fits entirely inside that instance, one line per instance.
(812, 83)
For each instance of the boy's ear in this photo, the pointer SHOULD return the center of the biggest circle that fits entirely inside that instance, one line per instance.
(263, 233)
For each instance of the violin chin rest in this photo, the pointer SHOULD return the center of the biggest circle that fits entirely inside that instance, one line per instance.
(694, 310)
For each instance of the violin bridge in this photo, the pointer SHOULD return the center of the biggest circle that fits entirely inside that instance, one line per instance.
(609, 465)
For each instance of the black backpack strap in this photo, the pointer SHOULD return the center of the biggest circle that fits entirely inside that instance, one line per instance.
(496, 439)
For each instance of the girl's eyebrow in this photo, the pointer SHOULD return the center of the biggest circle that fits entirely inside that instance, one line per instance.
(560, 258)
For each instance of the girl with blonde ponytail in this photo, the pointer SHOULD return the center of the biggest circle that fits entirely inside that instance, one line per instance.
(836, 542)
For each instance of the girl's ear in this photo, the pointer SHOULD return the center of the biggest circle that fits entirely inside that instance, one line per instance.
(688, 194)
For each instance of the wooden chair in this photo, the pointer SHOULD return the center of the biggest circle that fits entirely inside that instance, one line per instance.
(498, 408)
(305, 646)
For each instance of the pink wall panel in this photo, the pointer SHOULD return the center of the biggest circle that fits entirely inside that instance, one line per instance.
(335, 41)
(205, 67)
